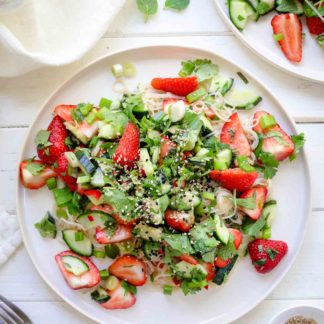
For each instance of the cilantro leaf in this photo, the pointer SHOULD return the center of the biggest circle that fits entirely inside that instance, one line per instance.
(271, 253)
(128, 288)
(34, 168)
(287, 6)
(179, 243)
(299, 140)
(244, 164)
(46, 226)
(227, 251)
(269, 172)
(248, 203)
(206, 71)
(254, 228)
(177, 4)
(271, 164)
(41, 139)
(147, 7)
(278, 137)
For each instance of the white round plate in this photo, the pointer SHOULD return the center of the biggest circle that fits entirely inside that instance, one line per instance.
(258, 37)
(245, 287)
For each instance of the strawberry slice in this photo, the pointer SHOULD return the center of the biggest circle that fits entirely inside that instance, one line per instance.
(87, 279)
(188, 258)
(266, 254)
(290, 27)
(62, 171)
(121, 234)
(177, 86)
(57, 137)
(233, 134)
(64, 111)
(211, 271)
(275, 140)
(179, 221)
(166, 146)
(234, 178)
(315, 25)
(220, 263)
(129, 268)
(95, 196)
(238, 237)
(260, 194)
(127, 151)
(34, 173)
(119, 299)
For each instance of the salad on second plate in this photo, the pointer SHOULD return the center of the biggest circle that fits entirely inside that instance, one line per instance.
(170, 182)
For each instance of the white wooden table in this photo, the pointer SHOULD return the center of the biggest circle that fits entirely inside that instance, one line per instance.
(199, 25)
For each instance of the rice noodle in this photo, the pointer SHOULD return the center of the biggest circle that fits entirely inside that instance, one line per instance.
(224, 203)
(120, 86)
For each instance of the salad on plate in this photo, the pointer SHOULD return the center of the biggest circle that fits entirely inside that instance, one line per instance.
(169, 184)
(286, 24)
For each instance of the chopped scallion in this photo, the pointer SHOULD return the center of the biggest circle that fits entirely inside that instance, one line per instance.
(99, 254)
(196, 95)
(267, 121)
(91, 118)
(129, 70)
(104, 274)
(167, 290)
(278, 37)
(104, 102)
(117, 70)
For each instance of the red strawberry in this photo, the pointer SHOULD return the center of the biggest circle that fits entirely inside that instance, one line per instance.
(233, 134)
(57, 137)
(119, 299)
(64, 111)
(234, 178)
(166, 146)
(315, 25)
(188, 258)
(179, 221)
(34, 174)
(103, 208)
(87, 279)
(220, 263)
(260, 194)
(275, 141)
(177, 86)
(127, 151)
(122, 233)
(211, 271)
(129, 268)
(266, 254)
(62, 170)
(290, 27)
(238, 237)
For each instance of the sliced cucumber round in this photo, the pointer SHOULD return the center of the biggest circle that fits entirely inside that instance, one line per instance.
(74, 265)
(270, 211)
(242, 99)
(94, 219)
(240, 11)
(83, 247)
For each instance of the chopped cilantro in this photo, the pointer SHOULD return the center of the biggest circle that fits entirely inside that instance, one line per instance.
(244, 164)
(41, 139)
(35, 168)
(46, 226)
(128, 288)
(299, 141)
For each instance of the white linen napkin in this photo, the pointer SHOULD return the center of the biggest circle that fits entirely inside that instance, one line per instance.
(10, 237)
(35, 33)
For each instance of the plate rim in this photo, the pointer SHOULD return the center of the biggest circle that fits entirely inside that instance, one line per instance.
(19, 208)
(241, 37)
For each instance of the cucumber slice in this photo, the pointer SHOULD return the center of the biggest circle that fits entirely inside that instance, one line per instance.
(242, 99)
(77, 133)
(221, 230)
(221, 84)
(94, 220)
(145, 162)
(109, 132)
(85, 164)
(149, 233)
(83, 247)
(222, 273)
(223, 159)
(265, 6)
(97, 179)
(270, 211)
(296, 8)
(240, 11)
(253, 3)
(184, 269)
(72, 159)
(74, 265)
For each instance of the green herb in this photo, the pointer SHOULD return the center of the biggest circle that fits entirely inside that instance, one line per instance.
(61, 213)
(41, 139)
(204, 69)
(147, 7)
(104, 102)
(278, 137)
(176, 4)
(263, 8)
(112, 251)
(128, 288)
(62, 196)
(167, 290)
(99, 254)
(290, 6)
(179, 243)
(253, 228)
(227, 251)
(278, 37)
(68, 142)
(46, 226)
(240, 18)
(244, 164)
(299, 141)
(260, 262)
(271, 164)
(248, 203)
(100, 295)
(51, 183)
(320, 39)
(271, 253)
(34, 168)
(243, 77)
(104, 274)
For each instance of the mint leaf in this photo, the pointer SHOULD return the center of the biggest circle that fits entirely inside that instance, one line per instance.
(147, 7)
(34, 168)
(41, 139)
(299, 141)
(177, 4)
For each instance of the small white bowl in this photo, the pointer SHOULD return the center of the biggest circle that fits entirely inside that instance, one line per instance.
(309, 312)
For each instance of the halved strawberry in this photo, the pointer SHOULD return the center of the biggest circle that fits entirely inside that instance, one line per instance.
(166, 146)
(220, 263)
(234, 178)
(127, 151)
(188, 258)
(62, 170)
(64, 111)
(238, 237)
(34, 173)
(211, 271)
(129, 268)
(260, 194)
(95, 196)
(122, 233)
(275, 140)
(119, 299)
(180, 221)
(315, 25)
(233, 134)
(177, 86)
(87, 279)
(266, 254)
(57, 146)
(289, 27)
